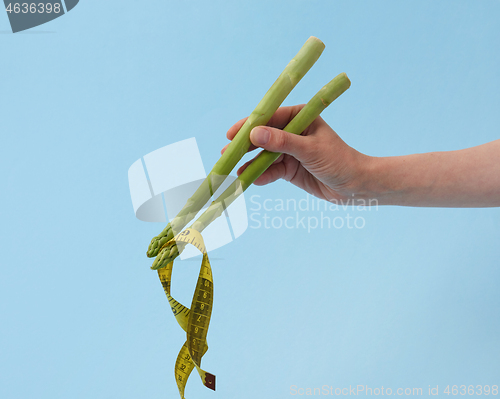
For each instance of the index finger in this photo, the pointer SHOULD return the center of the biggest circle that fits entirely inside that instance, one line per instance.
(279, 120)
(284, 115)
(235, 128)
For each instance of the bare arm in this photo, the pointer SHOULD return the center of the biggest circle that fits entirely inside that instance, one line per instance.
(464, 178)
(321, 163)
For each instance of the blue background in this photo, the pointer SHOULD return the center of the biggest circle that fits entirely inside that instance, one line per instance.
(411, 300)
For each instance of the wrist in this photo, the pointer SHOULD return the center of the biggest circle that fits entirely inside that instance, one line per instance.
(376, 182)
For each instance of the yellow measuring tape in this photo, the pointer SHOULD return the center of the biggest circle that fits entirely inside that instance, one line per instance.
(193, 321)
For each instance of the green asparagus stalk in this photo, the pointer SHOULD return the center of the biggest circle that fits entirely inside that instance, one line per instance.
(291, 75)
(297, 125)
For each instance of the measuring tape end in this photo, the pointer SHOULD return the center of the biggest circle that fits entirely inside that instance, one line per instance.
(210, 381)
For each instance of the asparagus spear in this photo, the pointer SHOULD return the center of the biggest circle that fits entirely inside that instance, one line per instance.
(297, 125)
(291, 75)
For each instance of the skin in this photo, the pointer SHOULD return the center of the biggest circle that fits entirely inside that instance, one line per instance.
(321, 163)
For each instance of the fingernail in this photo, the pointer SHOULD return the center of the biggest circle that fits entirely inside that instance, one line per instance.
(260, 135)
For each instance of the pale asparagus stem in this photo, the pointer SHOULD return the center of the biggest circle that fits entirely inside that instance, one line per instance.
(291, 75)
(302, 120)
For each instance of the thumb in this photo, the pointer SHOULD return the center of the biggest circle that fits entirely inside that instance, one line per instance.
(276, 140)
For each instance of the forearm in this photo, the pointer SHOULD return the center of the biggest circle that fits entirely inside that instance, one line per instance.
(464, 178)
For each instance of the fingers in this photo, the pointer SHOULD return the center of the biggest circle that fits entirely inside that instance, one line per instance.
(235, 128)
(232, 132)
(279, 120)
(275, 140)
(284, 115)
(280, 158)
(273, 173)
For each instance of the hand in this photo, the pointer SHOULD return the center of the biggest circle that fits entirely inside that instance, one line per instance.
(318, 161)
(321, 163)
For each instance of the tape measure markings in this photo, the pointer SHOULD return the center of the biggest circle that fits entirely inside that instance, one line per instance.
(195, 320)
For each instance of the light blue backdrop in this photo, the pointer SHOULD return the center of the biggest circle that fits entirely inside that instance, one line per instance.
(410, 300)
